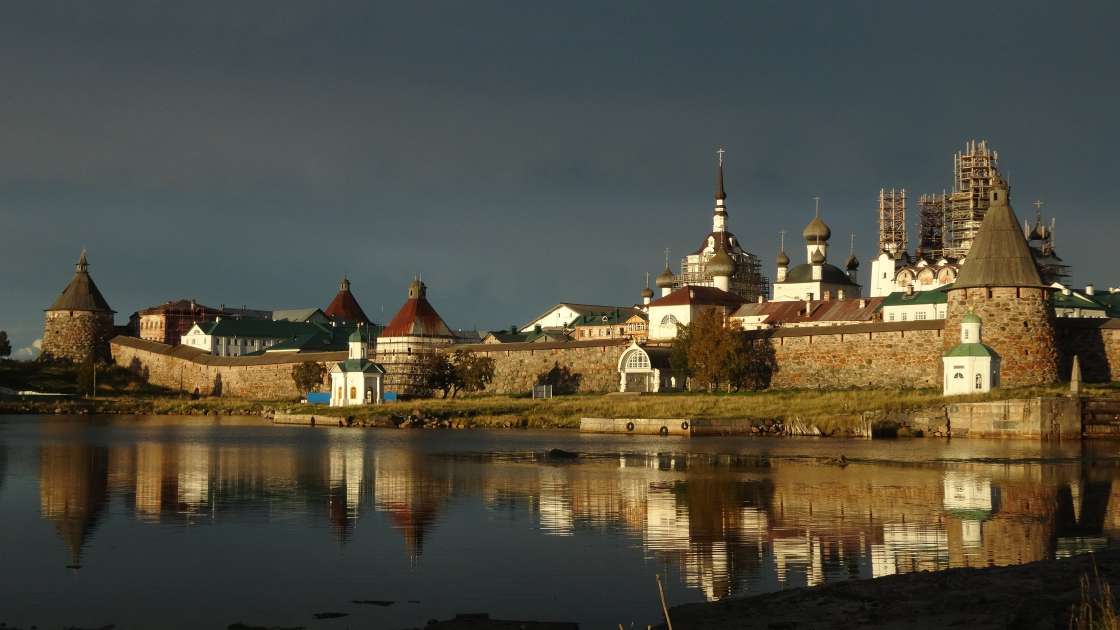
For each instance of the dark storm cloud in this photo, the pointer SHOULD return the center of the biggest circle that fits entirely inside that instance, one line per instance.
(516, 154)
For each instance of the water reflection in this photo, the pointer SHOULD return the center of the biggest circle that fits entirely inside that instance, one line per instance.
(728, 524)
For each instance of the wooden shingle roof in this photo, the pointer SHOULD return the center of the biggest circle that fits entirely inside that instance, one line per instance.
(81, 294)
(1000, 256)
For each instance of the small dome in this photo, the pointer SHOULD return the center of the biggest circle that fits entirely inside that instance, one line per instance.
(356, 335)
(664, 279)
(970, 318)
(720, 264)
(852, 263)
(816, 231)
(817, 257)
(647, 293)
(783, 259)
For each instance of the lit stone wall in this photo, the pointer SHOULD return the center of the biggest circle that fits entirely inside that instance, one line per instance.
(1018, 324)
(73, 335)
(186, 369)
(593, 365)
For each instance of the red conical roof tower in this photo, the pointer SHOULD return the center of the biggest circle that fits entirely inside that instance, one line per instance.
(344, 307)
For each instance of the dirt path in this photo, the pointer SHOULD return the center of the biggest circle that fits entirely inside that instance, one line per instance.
(1032, 596)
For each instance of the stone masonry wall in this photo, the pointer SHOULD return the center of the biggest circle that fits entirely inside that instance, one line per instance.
(884, 355)
(73, 335)
(517, 366)
(190, 369)
(1096, 343)
(1017, 323)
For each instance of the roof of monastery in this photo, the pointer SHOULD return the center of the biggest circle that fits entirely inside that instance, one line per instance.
(176, 306)
(262, 328)
(584, 309)
(296, 314)
(616, 315)
(794, 312)
(829, 273)
(344, 307)
(1000, 256)
(918, 298)
(723, 240)
(81, 294)
(417, 318)
(700, 296)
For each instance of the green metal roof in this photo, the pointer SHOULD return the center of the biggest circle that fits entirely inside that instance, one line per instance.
(360, 365)
(971, 318)
(1074, 300)
(900, 298)
(829, 273)
(605, 318)
(970, 350)
(261, 328)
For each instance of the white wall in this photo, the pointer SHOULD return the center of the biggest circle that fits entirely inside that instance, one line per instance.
(657, 314)
(913, 312)
(556, 318)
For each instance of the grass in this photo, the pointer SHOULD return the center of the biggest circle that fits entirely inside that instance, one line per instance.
(1097, 608)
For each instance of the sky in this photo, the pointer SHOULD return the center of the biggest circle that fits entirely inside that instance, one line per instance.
(515, 154)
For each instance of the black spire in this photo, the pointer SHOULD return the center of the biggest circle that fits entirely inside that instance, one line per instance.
(720, 194)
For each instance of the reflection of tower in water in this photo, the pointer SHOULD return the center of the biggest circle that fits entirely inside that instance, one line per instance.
(73, 491)
(412, 489)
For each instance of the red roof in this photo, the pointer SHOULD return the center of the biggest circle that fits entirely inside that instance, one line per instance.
(416, 318)
(344, 307)
(701, 296)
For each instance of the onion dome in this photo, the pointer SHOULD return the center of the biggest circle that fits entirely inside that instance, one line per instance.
(356, 336)
(970, 318)
(783, 259)
(720, 264)
(647, 293)
(817, 258)
(852, 263)
(665, 279)
(816, 231)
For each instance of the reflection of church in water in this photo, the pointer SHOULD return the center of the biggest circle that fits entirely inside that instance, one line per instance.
(729, 524)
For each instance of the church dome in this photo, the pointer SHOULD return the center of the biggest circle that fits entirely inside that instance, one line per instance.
(664, 279)
(783, 259)
(816, 231)
(647, 293)
(970, 318)
(720, 264)
(852, 264)
(817, 257)
(356, 335)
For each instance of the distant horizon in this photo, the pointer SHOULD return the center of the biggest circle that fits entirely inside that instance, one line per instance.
(516, 156)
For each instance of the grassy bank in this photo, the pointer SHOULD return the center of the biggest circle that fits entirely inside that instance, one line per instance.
(835, 412)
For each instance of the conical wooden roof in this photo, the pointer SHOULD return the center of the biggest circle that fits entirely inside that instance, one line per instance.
(345, 307)
(417, 318)
(1000, 256)
(81, 294)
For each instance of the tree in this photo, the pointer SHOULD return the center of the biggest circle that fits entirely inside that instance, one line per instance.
(752, 363)
(711, 346)
(437, 373)
(472, 372)
(5, 345)
(678, 355)
(308, 376)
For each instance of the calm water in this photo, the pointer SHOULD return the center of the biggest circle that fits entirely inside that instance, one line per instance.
(196, 523)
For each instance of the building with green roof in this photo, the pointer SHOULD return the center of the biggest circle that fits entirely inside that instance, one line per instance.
(357, 380)
(970, 366)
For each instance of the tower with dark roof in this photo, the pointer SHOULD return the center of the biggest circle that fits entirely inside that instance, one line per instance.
(344, 308)
(1000, 283)
(414, 333)
(79, 324)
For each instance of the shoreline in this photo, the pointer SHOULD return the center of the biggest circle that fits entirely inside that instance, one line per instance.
(1039, 594)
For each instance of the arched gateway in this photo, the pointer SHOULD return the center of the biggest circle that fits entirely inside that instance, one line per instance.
(644, 370)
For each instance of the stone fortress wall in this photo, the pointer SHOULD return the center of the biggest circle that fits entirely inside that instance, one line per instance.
(73, 335)
(894, 354)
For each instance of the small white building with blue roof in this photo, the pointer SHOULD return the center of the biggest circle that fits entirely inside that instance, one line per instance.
(970, 366)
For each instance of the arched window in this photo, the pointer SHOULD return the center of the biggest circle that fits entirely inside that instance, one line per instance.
(669, 320)
(979, 381)
(353, 393)
(637, 360)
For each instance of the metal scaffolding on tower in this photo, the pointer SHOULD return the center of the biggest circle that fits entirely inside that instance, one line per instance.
(973, 170)
(892, 221)
(931, 226)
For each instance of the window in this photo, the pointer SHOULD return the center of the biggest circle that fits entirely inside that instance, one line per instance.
(964, 334)
(637, 360)
(979, 381)
(903, 317)
(669, 320)
(890, 317)
(353, 392)
(920, 316)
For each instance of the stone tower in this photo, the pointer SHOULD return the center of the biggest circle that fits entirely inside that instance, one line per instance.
(80, 322)
(1000, 283)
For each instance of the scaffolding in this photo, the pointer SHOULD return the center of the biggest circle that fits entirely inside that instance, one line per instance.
(931, 226)
(748, 281)
(892, 221)
(973, 169)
